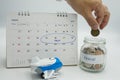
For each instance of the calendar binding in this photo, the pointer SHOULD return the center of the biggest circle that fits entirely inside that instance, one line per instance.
(27, 13)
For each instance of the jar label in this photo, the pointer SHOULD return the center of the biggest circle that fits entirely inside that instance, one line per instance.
(92, 59)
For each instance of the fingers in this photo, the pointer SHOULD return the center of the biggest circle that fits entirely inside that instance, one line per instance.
(99, 11)
(86, 7)
(91, 20)
(105, 19)
(102, 17)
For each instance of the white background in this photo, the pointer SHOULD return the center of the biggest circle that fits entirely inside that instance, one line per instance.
(111, 33)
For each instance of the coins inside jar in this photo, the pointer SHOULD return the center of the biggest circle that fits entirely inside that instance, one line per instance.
(95, 32)
(92, 51)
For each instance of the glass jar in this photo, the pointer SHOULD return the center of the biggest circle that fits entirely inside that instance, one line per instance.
(93, 54)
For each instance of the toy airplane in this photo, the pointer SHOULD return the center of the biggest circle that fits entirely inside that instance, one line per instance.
(47, 67)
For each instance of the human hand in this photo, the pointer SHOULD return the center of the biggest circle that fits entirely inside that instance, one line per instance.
(98, 19)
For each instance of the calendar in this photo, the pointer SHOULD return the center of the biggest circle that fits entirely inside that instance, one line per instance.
(41, 34)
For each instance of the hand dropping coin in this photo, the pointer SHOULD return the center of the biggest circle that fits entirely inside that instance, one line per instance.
(95, 32)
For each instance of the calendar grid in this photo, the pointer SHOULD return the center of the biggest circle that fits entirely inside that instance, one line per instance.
(43, 35)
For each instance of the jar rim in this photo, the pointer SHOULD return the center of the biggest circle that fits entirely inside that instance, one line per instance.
(96, 40)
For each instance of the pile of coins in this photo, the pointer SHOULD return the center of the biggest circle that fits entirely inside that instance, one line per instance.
(92, 51)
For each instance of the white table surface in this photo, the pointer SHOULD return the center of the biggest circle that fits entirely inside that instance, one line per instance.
(111, 72)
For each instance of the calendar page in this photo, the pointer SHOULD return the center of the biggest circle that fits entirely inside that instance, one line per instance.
(41, 34)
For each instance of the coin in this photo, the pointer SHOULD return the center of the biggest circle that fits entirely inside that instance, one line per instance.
(97, 66)
(95, 32)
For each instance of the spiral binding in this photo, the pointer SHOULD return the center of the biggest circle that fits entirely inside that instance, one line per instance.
(63, 14)
(25, 13)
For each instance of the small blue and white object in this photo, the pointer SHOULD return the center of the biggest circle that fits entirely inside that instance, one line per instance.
(47, 68)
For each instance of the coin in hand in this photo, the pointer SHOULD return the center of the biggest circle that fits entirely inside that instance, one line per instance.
(95, 32)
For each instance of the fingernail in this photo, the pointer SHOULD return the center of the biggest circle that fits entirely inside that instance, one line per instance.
(95, 27)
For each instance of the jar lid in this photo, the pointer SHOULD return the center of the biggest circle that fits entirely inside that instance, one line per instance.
(96, 40)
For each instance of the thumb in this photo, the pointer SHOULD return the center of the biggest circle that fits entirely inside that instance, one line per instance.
(91, 20)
